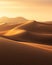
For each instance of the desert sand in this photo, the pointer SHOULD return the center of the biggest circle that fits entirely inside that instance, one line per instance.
(29, 43)
(21, 53)
(31, 31)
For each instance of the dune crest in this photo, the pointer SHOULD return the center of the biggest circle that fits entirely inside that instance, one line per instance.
(40, 46)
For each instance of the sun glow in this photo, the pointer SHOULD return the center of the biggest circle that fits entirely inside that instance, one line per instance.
(30, 9)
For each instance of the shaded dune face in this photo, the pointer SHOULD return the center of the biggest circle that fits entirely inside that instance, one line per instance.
(31, 32)
(38, 27)
(17, 53)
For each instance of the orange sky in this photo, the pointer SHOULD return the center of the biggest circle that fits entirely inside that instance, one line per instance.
(40, 10)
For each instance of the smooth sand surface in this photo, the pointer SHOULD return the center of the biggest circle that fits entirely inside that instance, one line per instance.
(23, 53)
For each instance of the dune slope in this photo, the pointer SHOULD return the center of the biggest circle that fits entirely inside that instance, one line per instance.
(17, 53)
(37, 27)
(27, 36)
(32, 31)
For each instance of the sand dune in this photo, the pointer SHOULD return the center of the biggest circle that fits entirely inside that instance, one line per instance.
(6, 27)
(33, 26)
(28, 43)
(32, 32)
(11, 23)
(25, 23)
(37, 27)
(23, 53)
(27, 36)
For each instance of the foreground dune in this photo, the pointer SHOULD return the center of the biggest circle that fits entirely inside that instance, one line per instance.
(21, 53)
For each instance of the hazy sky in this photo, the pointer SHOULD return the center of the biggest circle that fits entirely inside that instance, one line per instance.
(40, 10)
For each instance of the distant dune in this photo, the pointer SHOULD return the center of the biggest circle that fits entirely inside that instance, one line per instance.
(12, 21)
(21, 53)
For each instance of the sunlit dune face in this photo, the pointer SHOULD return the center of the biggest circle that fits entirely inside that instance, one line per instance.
(14, 32)
(41, 46)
